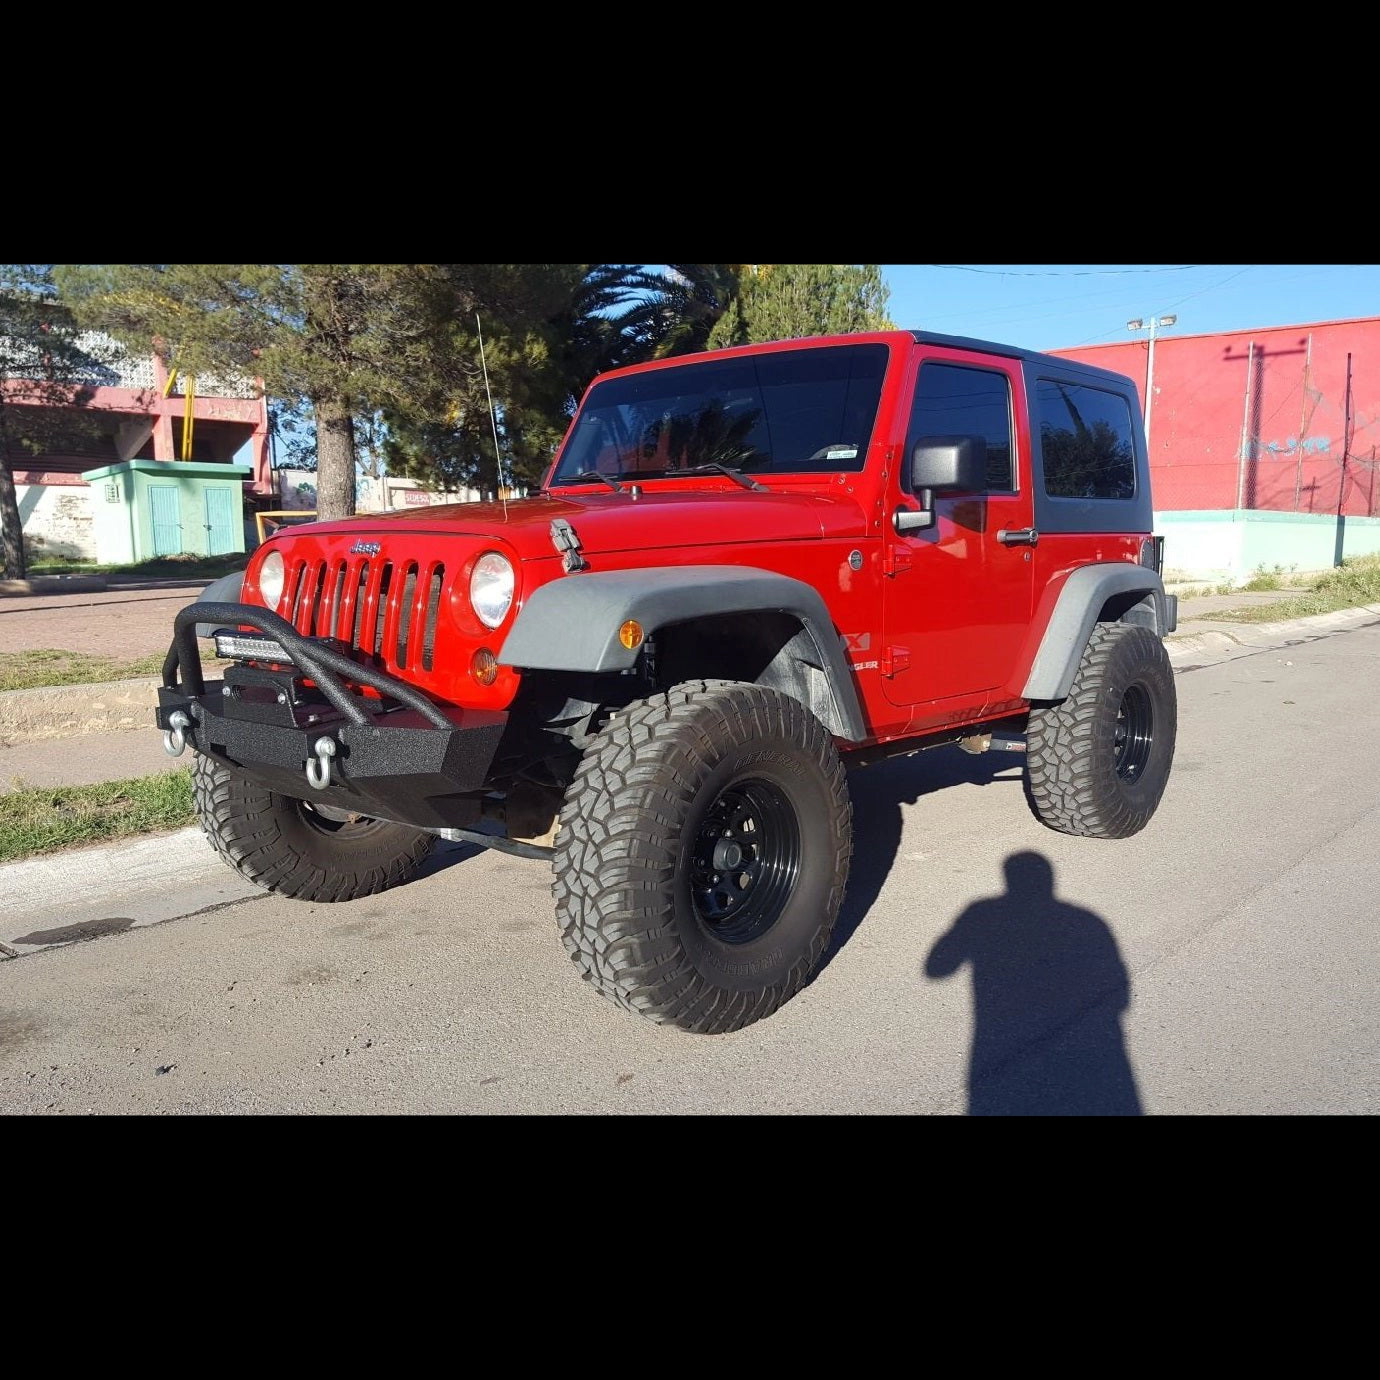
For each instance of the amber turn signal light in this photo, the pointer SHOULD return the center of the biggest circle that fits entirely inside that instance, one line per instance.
(484, 666)
(630, 634)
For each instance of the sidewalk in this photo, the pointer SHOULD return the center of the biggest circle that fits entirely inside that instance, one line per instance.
(127, 622)
(86, 759)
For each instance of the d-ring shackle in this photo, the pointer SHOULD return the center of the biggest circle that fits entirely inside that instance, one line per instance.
(175, 735)
(319, 767)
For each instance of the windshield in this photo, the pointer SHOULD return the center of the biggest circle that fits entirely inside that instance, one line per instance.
(790, 410)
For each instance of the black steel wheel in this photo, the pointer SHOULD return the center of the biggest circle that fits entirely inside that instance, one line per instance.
(1133, 736)
(745, 861)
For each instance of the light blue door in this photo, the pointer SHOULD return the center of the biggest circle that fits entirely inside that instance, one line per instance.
(166, 510)
(220, 522)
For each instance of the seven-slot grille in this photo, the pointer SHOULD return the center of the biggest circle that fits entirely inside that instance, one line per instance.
(386, 609)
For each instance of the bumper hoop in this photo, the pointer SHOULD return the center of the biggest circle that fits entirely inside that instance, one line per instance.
(414, 761)
(323, 664)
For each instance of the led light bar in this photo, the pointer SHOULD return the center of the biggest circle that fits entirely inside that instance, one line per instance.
(241, 647)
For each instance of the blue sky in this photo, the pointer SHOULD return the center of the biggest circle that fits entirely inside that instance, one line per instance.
(1058, 306)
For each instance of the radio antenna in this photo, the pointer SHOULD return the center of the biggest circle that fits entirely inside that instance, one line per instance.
(493, 419)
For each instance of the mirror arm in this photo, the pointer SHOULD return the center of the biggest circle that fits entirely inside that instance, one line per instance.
(909, 520)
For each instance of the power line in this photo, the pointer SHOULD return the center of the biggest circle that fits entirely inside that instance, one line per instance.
(1230, 278)
(1210, 288)
(1070, 273)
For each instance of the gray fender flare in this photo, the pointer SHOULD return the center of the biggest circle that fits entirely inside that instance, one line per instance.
(1083, 597)
(571, 624)
(226, 590)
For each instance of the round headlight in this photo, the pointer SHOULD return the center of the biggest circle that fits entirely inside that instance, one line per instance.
(271, 579)
(491, 588)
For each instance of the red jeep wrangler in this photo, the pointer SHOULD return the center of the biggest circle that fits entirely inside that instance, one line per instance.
(746, 570)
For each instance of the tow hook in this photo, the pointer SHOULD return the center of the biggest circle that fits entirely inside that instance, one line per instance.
(175, 735)
(319, 767)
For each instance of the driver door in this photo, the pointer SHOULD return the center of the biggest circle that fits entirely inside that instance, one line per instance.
(957, 606)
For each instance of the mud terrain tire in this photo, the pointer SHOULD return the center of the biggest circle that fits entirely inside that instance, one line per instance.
(702, 855)
(284, 845)
(1097, 762)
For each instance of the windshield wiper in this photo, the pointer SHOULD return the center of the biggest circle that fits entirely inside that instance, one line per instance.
(589, 474)
(713, 467)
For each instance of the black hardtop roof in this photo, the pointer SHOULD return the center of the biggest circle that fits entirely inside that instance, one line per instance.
(991, 347)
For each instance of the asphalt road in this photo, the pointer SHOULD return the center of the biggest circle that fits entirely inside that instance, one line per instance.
(1224, 961)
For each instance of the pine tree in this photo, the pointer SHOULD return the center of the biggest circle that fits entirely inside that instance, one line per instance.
(787, 301)
(341, 338)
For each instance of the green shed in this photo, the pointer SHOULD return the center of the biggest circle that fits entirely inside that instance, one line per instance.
(147, 508)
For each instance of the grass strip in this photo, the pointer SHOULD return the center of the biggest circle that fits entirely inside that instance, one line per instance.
(161, 567)
(44, 666)
(1353, 583)
(43, 819)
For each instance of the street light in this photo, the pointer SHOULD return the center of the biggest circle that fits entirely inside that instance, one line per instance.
(1150, 323)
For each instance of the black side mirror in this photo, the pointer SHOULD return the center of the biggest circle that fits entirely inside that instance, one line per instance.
(938, 463)
(949, 462)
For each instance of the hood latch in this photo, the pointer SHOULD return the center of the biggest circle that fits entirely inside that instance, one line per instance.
(567, 544)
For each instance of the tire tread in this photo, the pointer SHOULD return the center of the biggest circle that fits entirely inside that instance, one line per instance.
(618, 844)
(241, 820)
(1069, 781)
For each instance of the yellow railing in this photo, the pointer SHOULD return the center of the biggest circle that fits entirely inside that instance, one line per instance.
(307, 514)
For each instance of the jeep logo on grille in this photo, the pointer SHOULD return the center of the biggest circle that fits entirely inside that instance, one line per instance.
(366, 548)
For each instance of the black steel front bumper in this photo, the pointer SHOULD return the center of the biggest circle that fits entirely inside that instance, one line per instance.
(404, 758)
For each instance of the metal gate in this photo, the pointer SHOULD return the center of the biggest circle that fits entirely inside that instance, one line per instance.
(166, 510)
(220, 522)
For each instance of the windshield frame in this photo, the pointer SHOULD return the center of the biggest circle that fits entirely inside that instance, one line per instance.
(892, 343)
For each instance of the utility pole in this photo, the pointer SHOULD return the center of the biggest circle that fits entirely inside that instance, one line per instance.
(1152, 324)
(1245, 452)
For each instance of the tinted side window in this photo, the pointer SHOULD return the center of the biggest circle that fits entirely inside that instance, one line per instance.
(952, 400)
(1087, 439)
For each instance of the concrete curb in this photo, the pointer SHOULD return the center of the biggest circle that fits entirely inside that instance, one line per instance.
(1219, 641)
(55, 584)
(83, 893)
(62, 711)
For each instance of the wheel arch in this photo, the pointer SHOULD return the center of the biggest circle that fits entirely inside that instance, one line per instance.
(572, 624)
(1105, 593)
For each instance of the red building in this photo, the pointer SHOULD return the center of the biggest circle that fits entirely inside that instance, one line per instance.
(1284, 419)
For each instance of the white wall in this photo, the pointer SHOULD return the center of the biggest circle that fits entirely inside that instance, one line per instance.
(57, 520)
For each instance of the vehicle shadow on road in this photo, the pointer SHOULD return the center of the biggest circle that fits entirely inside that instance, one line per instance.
(878, 794)
(446, 855)
(1049, 987)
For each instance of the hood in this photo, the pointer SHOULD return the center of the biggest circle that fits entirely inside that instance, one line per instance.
(609, 522)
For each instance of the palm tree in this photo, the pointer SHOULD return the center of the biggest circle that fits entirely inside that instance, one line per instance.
(676, 311)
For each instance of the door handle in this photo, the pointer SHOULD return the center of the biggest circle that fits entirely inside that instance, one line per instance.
(1021, 536)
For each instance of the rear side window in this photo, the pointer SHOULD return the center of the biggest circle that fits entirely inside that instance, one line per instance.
(952, 400)
(1087, 438)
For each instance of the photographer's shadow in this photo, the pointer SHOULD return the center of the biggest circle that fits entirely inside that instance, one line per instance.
(1049, 988)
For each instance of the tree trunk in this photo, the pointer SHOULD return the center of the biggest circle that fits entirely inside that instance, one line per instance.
(335, 459)
(11, 524)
